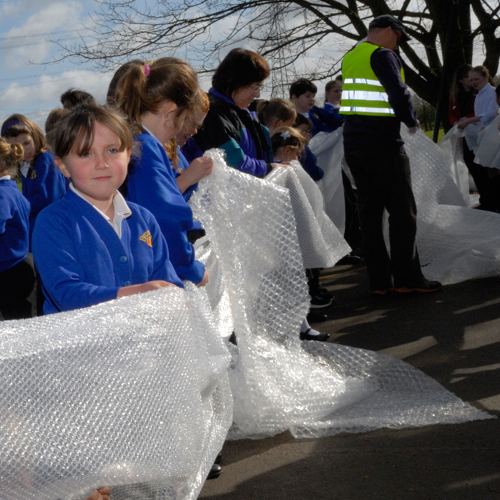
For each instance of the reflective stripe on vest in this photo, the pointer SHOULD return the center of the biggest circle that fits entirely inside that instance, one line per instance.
(362, 92)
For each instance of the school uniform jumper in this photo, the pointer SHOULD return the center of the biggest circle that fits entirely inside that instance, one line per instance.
(16, 275)
(43, 184)
(152, 185)
(325, 119)
(83, 262)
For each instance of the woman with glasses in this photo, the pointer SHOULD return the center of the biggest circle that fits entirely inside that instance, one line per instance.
(230, 125)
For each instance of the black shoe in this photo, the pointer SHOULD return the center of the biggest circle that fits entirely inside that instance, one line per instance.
(320, 338)
(352, 260)
(320, 301)
(214, 471)
(424, 286)
(316, 317)
(218, 459)
(324, 292)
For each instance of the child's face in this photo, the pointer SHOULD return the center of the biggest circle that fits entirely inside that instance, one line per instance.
(191, 125)
(305, 130)
(334, 95)
(304, 102)
(477, 80)
(98, 173)
(28, 145)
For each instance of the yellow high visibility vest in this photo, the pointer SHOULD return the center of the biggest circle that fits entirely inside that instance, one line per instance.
(362, 92)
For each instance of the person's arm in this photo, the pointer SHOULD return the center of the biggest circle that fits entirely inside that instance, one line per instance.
(196, 170)
(387, 67)
(152, 185)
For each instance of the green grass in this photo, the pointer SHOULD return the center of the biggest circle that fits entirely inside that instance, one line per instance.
(430, 133)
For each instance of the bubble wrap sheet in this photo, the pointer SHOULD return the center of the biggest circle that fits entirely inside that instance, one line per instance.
(132, 394)
(329, 151)
(320, 241)
(488, 151)
(278, 382)
(455, 242)
(452, 145)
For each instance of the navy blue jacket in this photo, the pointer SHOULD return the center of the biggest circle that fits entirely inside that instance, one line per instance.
(238, 133)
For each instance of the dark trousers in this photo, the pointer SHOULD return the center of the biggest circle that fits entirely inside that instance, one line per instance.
(16, 285)
(384, 182)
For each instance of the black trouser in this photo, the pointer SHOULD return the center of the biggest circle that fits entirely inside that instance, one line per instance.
(383, 180)
(16, 285)
(487, 186)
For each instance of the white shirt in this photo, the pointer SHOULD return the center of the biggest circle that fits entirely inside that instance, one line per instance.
(485, 105)
(122, 210)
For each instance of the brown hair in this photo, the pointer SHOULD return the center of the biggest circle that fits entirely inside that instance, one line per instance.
(201, 104)
(287, 136)
(458, 88)
(269, 112)
(17, 124)
(111, 95)
(144, 88)
(10, 157)
(240, 68)
(75, 131)
(54, 116)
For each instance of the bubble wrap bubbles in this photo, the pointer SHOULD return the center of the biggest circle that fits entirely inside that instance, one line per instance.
(452, 145)
(131, 394)
(488, 151)
(329, 151)
(278, 382)
(320, 241)
(455, 242)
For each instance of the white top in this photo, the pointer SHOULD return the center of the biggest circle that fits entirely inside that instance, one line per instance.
(5, 177)
(485, 105)
(122, 210)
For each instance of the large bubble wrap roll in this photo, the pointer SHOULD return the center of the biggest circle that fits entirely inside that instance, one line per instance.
(278, 382)
(132, 394)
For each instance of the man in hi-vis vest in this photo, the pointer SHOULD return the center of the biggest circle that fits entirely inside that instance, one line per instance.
(375, 100)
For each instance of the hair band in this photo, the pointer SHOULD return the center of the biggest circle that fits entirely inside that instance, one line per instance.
(147, 70)
(11, 123)
(285, 135)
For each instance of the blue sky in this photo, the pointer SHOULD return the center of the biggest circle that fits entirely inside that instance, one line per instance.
(26, 27)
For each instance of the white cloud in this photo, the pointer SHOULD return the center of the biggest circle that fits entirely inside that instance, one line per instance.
(56, 16)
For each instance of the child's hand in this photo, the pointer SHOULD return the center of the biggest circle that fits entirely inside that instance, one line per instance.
(197, 169)
(281, 164)
(100, 494)
(204, 281)
(144, 287)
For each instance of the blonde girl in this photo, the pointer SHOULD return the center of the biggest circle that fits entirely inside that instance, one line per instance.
(156, 98)
(287, 143)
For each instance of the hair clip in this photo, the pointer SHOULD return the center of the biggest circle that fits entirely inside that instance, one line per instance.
(147, 70)
(285, 135)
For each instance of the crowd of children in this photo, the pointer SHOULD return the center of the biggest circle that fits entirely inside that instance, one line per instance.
(104, 208)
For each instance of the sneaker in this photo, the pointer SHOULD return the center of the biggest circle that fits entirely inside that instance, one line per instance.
(320, 301)
(324, 292)
(425, 286)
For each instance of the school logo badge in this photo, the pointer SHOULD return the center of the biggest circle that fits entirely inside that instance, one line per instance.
(33, 174)
(146, 237)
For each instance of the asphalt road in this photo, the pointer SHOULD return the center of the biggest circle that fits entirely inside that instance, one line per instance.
(453, 336)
